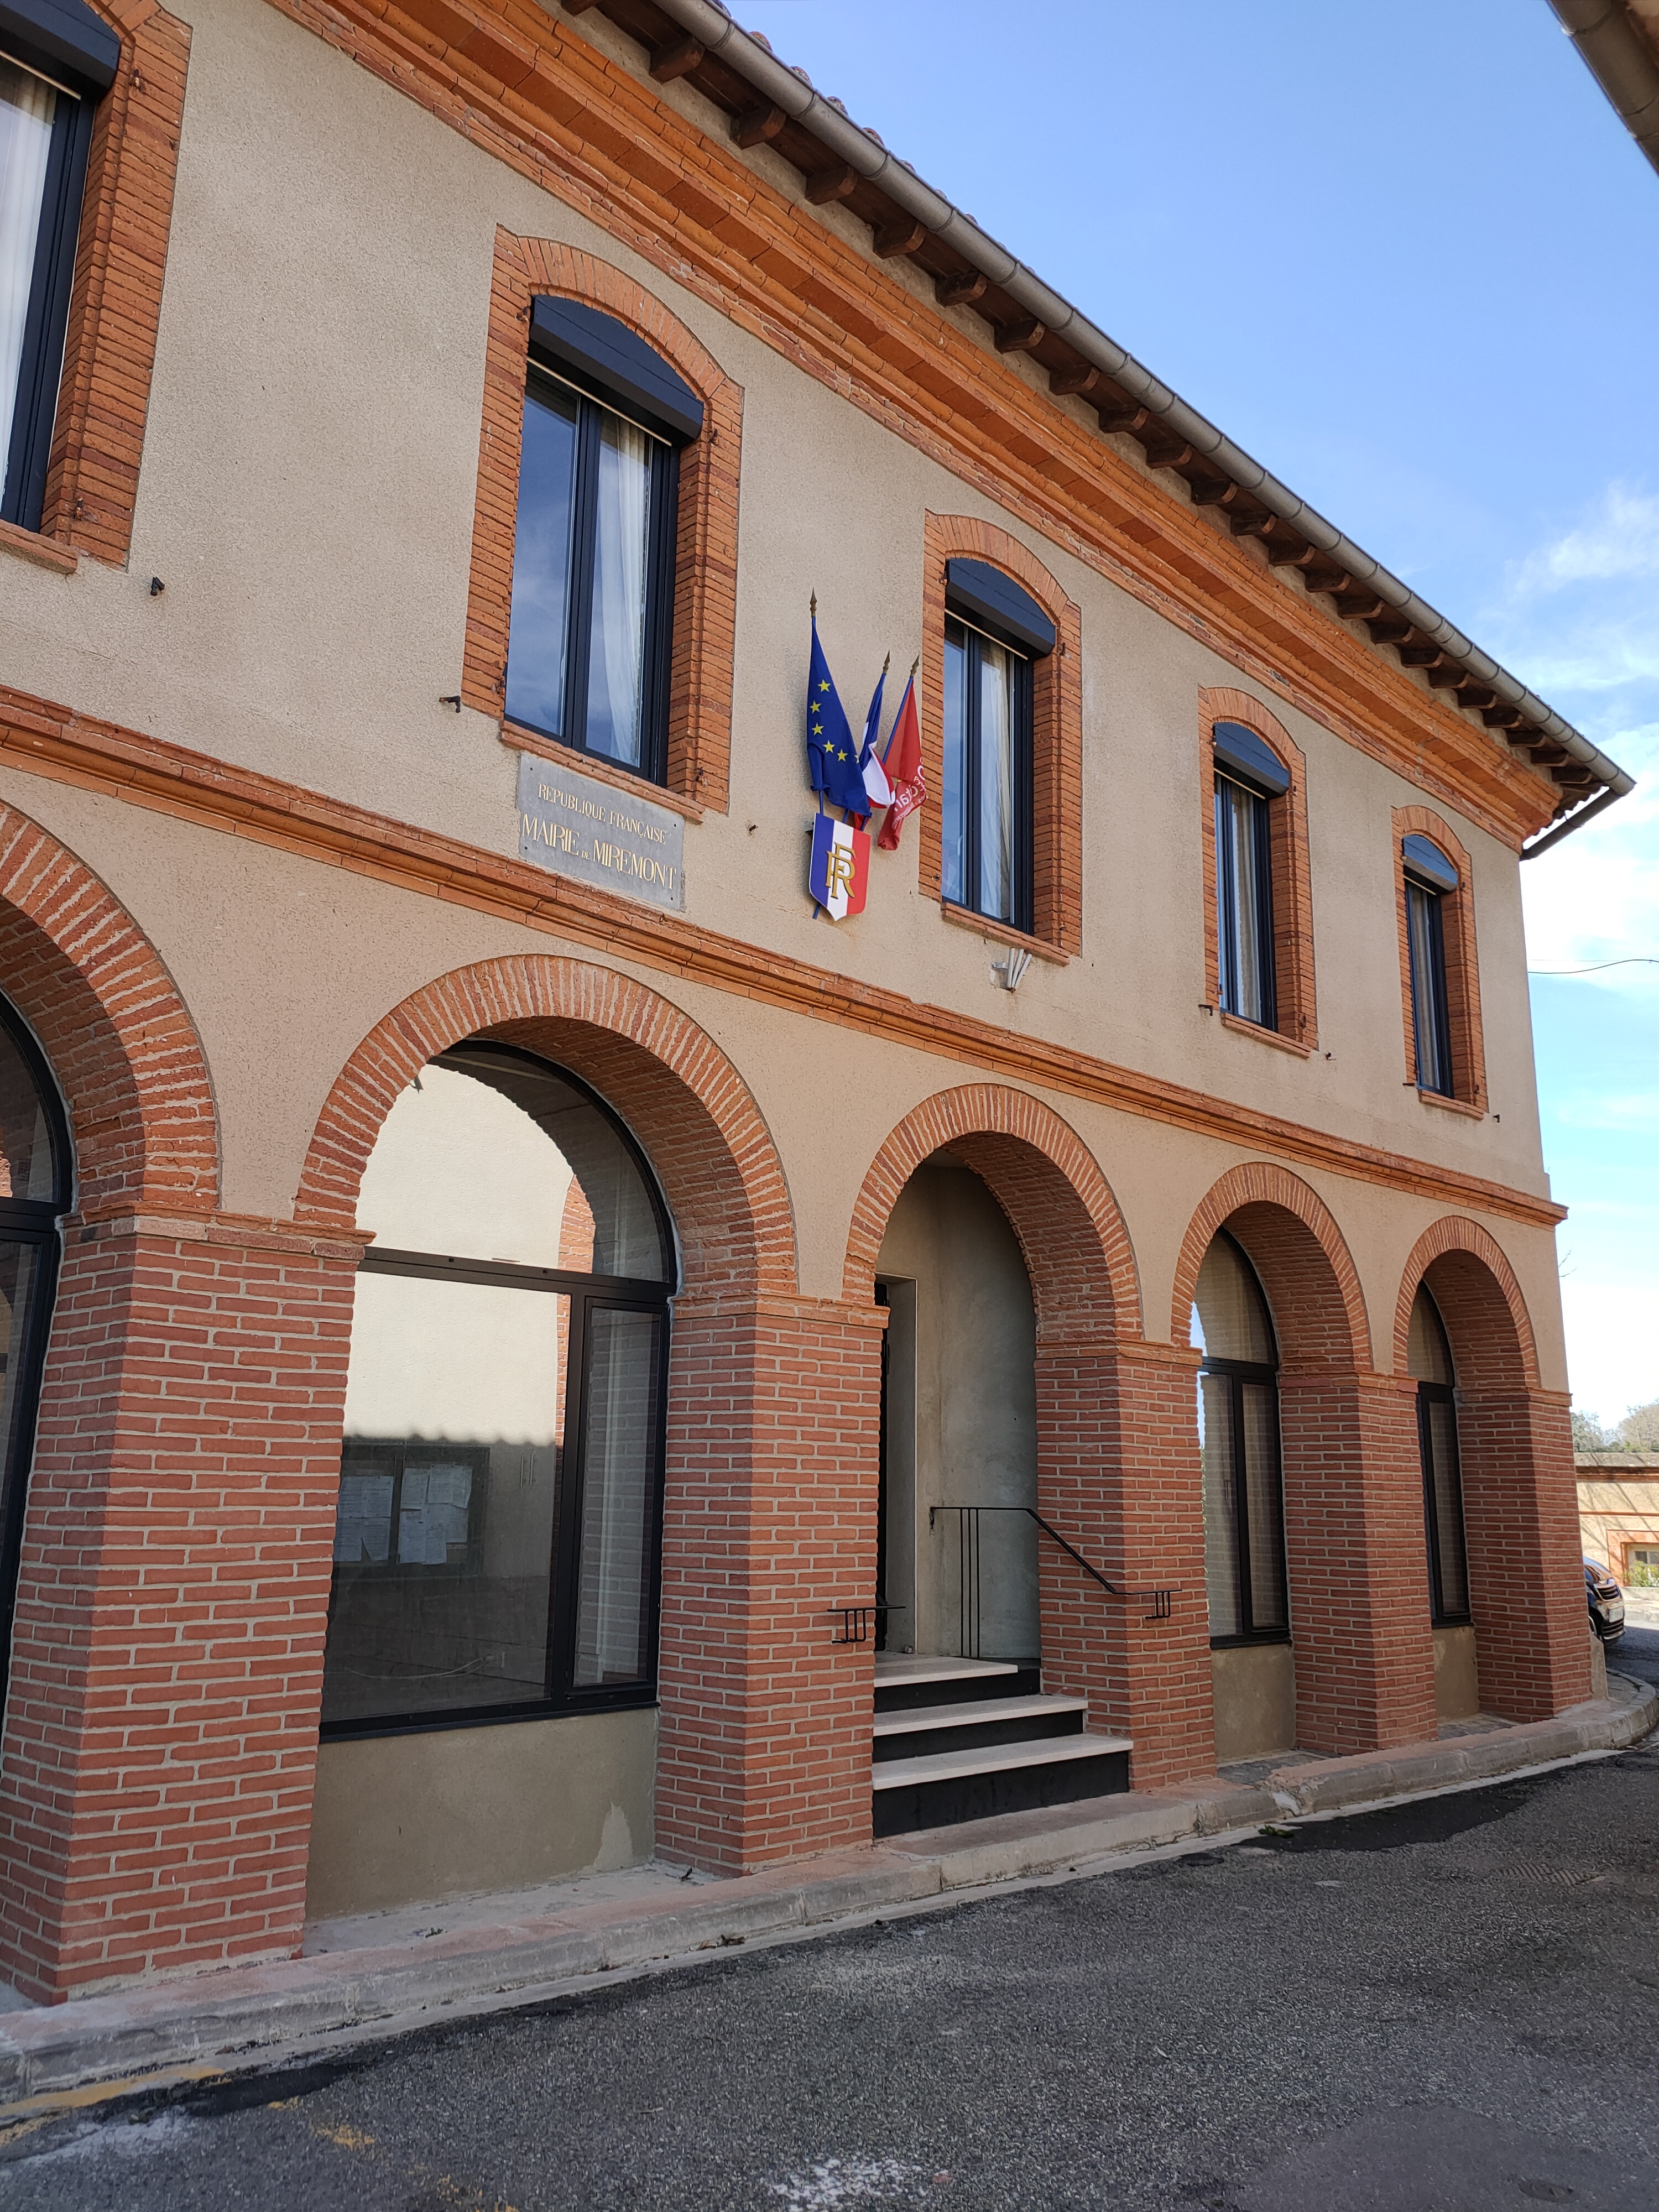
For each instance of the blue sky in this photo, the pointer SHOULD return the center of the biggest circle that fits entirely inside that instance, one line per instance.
(1404, 256)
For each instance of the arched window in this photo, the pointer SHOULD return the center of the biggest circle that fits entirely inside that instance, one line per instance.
(57, 59)
(1250, 779)
(495, 1552)
(1430, 879)
(1238, 1436)
(995, 632)
(35, 1178)
(1428, 1356)
(590, 639)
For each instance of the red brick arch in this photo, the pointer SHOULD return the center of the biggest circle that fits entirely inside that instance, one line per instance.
(1302, 1257)
(690, 1110)
(1474, 1286)
(110, 1021)
(1046, 1180)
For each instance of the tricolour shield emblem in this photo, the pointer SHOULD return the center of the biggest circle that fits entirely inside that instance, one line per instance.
(840, 874)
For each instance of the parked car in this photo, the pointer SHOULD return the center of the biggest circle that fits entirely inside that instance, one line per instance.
(1607, 1602)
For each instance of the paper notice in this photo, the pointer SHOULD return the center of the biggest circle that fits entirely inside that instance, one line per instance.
(362, 1529)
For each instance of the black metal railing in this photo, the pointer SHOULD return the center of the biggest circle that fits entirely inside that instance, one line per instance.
(1160, 1601)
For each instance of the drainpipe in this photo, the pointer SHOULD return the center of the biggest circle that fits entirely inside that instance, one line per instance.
(782, 88)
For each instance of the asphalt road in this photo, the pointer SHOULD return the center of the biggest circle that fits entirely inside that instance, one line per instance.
(1448, 2007)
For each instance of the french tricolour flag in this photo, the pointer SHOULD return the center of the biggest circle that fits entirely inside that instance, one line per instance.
(839, 873)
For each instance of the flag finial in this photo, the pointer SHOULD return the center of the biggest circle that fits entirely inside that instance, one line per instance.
(815, 606)
(916, 664)
(886, 664)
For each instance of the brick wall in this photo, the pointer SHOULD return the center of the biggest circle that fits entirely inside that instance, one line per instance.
(771, 1521)
(161, 1722)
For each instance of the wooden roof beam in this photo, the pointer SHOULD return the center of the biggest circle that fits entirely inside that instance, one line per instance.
(1023, 337)
(678, 58)
(892, 240)
(965, 290)
(824, 187)
(1076, 381)
(757, 126)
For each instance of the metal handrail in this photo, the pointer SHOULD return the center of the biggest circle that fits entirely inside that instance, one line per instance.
(1160, 1601)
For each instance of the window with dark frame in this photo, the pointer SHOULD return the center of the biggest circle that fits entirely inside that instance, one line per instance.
(1249, 780)
(1430, 878)
(1239, 1450)
(36, 1174)
(591, 636)
(57, 59)
(496, 1550)
(1429, 1360)
(994, 633)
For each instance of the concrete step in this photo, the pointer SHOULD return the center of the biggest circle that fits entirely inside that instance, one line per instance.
(921, 1730)
(941, 1789)
(904, 1680)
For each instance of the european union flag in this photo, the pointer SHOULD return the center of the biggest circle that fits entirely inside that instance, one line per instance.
(832, 756)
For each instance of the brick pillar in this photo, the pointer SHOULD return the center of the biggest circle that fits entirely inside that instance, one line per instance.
(1118, 1476)
(1357, 1562)
(1520, 1524)
(161, 1734)
(774, 1408)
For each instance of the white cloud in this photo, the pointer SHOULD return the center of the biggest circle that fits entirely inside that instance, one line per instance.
(1596, 896)
(1575, 619)
(1612, 1343)
(1621, 539)
(1636, 1109)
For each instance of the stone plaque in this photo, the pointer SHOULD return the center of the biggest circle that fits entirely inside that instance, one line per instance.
(579, 827)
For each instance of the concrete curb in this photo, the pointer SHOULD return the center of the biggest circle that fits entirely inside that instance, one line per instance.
(242, 2018)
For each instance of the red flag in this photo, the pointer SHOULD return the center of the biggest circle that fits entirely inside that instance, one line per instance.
(902, 762)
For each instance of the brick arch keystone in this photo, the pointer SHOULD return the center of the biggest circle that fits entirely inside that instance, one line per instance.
(1477, 1294)
(692, 1113)
(1077, 1249)
(1301, 1256)
(110, 1020)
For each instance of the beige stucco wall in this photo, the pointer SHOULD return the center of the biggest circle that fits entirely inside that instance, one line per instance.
(401, 1819)
(1255, 1690)
(1615, 1514)
(307, 495)
(964, 1431)
(257, 939)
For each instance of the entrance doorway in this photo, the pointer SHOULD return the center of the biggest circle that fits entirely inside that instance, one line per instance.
(958, 1548)
(963, 1728)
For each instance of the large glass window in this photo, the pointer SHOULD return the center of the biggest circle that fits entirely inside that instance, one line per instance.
(1431, 878)
(1238, 1438)
(986, 805)
(1429, 1358)
(496, 1544)
(592, 622)
(34, 1190)
(1244, 903)
(55, 59)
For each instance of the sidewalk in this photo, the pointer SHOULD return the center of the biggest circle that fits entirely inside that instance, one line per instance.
(382, 1974)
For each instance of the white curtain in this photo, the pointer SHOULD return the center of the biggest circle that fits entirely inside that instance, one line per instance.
(617, 654)
(996, 783)
(28, 105)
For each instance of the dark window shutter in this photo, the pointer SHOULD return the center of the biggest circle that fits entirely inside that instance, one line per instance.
(1427, 860)
(1241, 753)
(604, 357)
(984, 595)
(64, 40)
